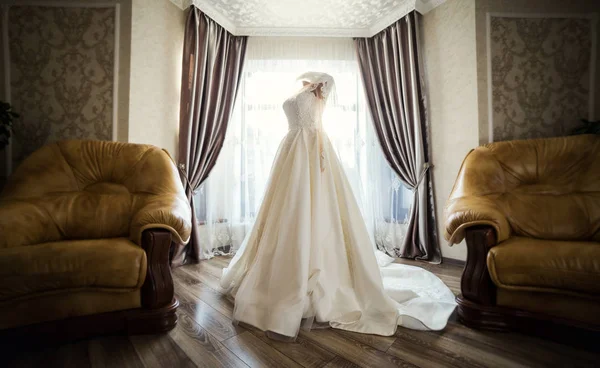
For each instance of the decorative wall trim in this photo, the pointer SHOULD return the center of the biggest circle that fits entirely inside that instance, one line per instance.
(593, 70)
(115, 114)
(403, 8)
(488, 41)
(63, 4)
(6, 53)
(594, 19)
(541, 15)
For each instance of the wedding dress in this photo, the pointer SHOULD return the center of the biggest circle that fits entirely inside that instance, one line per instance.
(309, 256)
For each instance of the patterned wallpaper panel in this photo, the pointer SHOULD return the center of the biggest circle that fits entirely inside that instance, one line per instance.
(540, 76)
(62, 64)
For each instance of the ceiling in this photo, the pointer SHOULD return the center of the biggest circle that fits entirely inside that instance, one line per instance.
(327, 18)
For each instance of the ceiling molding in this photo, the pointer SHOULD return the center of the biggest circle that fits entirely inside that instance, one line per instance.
(208, 9)
(401, 10)
(304, 32)
(182, 4)
(404, 7)
(425, 6)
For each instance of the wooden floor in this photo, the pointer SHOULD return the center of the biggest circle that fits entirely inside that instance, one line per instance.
(205, 337)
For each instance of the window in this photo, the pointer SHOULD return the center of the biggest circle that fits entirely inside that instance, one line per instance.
(229, 200)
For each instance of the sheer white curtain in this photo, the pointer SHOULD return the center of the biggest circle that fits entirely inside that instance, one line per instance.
(230, 198)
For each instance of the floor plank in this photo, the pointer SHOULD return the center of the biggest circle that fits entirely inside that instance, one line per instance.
(422, 353)
(339, 362)
(211, 267)
(449, 270)
(256, 353)
(211, 320)
(206, 337)
(302, 351)
(381, 343)
(221, 261)
(199, 274)
(352, 350)
(532, 351)
(113, 351)
(75, 354)
(191, 290)
(460, 352)
(452, 282)
(157, 351)
(70, 355)
(201, 347)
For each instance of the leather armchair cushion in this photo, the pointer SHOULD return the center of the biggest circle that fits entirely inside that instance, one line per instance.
(115, 265)
(562, 267)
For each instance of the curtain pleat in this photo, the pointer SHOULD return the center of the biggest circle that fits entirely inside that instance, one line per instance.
(211, 73)
(390, 68)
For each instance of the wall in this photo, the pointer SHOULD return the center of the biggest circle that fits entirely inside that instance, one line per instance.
(536, 8)
(157, 46)
(455, 56)
(448, 43)
(61, 71)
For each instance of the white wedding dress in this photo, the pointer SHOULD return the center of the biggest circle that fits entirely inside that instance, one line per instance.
(309, 256)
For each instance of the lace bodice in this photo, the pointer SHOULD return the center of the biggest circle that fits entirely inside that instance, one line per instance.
(304, 109)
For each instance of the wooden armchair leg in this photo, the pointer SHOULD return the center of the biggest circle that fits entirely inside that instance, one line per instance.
(477, 303)
(158, 300)
(476, 284)
(157, 290)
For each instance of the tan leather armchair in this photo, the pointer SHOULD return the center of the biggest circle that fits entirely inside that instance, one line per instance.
(530, 213)
(85, 233)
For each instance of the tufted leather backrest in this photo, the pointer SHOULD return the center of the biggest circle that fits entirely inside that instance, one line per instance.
(545, 188)
(92, 189)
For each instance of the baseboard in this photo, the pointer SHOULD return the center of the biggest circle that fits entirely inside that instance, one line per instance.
(453, 261)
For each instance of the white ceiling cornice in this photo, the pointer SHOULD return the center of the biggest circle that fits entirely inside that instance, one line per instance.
(401, 10)
(182, 4)
(425, 7)
(244, 17)
(217, 16)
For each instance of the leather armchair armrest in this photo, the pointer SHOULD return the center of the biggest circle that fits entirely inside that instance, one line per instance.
(466, 212)
(168, 212)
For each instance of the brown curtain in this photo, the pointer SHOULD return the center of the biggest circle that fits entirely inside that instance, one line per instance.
(391, 73)
(212, 68)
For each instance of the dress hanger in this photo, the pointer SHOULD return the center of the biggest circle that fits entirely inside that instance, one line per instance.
(317, 91)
